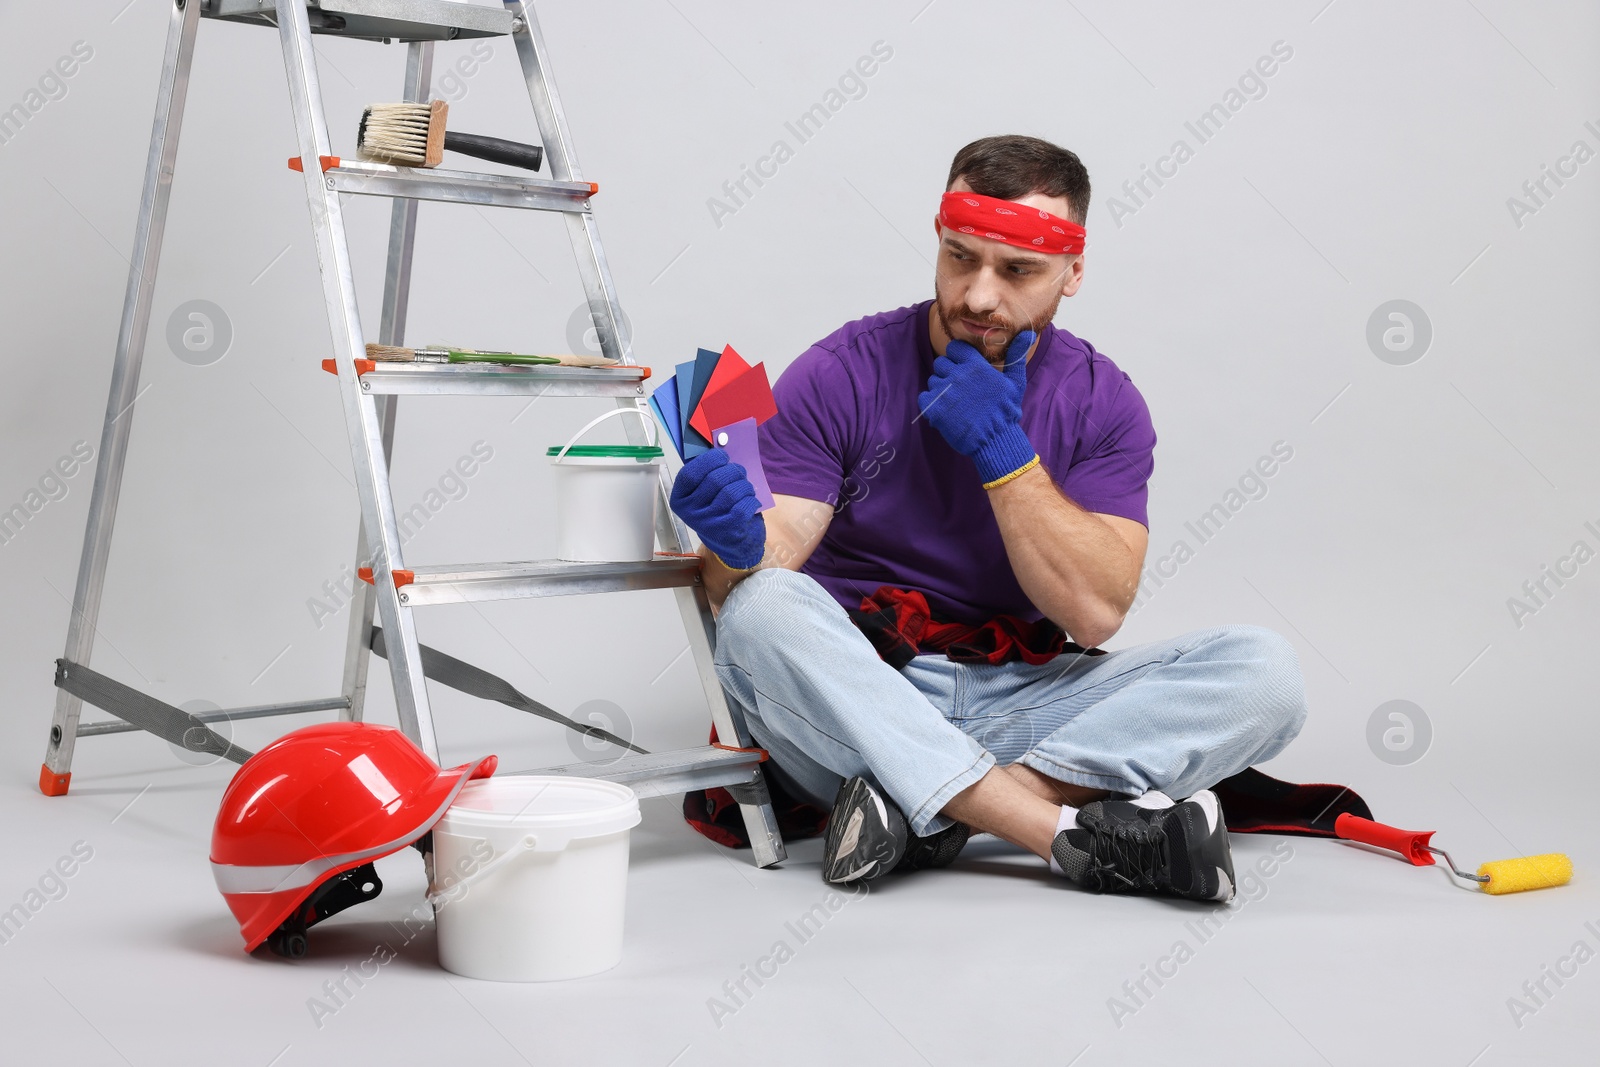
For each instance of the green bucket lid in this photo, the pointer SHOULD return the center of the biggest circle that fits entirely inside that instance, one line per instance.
(638, 452)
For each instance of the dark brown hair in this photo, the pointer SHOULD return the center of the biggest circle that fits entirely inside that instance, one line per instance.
(1012, 166)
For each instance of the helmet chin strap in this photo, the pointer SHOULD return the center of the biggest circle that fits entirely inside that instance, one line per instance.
(330, 898)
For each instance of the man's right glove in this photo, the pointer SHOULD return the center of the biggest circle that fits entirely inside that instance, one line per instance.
(977, 407)
(713, 495)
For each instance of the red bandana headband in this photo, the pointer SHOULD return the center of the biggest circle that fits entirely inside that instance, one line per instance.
(1011, 222)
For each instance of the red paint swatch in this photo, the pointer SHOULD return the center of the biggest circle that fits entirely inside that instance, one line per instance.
(746, 397)
(729, 367)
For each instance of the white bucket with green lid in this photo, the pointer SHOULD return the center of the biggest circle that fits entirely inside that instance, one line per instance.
(607, 496)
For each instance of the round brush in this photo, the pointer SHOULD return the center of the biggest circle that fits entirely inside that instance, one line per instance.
(414, 135)
(1497, 876)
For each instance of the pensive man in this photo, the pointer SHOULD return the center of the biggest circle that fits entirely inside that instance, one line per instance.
(913, 630)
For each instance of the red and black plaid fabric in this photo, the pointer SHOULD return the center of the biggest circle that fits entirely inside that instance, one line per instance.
(900, 624)
(715, 814)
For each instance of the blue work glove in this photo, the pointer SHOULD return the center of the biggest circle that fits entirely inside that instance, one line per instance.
(978, 408)
(714, 496)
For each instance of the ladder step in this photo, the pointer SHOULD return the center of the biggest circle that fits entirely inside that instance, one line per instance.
(486, 379)
(455, 186)
(378, 20)
(460, 583)
(657, 774)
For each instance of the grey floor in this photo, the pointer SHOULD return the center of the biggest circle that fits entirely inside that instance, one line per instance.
(1423, 494)
(1341, 956)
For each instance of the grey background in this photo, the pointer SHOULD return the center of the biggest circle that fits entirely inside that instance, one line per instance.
(1377, 166)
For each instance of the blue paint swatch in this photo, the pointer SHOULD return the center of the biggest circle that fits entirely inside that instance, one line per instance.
(664, 402)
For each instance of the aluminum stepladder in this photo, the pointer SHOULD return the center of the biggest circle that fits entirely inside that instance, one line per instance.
(369, 393)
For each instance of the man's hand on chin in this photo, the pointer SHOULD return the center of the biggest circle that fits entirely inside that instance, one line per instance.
(976, 405)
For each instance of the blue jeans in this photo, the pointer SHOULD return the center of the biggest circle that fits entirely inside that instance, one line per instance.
(1178, 715)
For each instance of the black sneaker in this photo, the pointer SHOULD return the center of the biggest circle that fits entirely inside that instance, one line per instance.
(1154, 846)
(867, 835)
(936, 850)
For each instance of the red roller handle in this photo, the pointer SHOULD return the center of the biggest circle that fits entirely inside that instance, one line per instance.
(1412, 844)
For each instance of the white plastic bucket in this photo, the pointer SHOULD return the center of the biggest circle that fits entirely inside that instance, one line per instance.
(531, 877)
(607, 496)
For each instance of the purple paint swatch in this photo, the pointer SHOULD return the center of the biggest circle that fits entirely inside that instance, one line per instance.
(738, 439)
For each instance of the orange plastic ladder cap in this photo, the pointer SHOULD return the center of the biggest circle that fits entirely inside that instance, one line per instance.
(363, 366)
(327, 163)
(52, 784)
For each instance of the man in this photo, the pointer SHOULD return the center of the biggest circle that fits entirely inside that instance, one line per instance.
(960, 487)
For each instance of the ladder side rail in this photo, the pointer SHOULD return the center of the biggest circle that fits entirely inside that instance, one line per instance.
(131, 334)
(361, 415)
(766, 842)
(563, 162)
(391, 331)
(600, 291)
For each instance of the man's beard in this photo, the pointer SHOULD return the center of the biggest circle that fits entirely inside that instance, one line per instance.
(998, 333)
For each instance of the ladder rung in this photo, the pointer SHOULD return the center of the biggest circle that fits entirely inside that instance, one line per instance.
(459, 583)
(459, 186)
(656, 774)
(486, 379)
(376, 20)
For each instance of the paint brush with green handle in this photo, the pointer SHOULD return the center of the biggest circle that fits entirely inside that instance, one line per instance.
(397, 354)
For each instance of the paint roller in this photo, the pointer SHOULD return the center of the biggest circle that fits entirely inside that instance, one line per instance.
(1496, 876)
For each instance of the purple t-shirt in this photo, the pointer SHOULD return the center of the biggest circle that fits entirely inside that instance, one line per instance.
(909, 510)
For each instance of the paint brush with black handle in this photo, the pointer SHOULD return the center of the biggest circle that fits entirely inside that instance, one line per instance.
(414, 135)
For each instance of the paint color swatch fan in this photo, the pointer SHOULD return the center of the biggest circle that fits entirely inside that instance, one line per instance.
(717, 400)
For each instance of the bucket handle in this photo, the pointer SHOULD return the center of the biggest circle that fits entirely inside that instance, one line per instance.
(457, 890)
(655, 434)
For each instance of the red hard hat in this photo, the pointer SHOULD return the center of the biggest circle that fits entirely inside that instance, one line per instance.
(305, 813)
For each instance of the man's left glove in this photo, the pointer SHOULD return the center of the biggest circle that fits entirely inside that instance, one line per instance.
(978, 408)
(714, 497)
